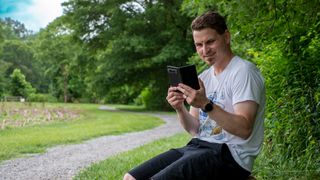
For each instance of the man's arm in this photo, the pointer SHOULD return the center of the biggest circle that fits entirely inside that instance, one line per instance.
(189, 121)
(239, 123)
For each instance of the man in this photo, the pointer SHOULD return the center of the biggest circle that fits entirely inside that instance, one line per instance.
(225, 117)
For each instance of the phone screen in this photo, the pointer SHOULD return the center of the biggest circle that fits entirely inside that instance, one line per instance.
(185, 74)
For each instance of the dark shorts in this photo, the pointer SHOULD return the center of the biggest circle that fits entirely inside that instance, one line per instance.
(197, 160)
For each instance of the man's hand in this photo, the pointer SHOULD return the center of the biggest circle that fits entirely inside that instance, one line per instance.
(175, 98)
(189, 121)
(196, 98)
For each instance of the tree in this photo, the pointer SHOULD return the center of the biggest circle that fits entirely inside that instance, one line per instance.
(19, 86)
(133, 42)
(1, 33)
(63, 61)
(3, 80)
(14, 29)
(20, 55)
(16, 49)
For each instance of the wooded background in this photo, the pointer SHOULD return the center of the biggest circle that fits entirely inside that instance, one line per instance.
(116, 51)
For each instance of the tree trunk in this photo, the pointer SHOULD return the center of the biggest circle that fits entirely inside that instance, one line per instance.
(65, 84)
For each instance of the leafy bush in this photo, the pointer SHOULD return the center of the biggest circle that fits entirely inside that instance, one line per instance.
(292, 116)
(41, 98)
(19, 86)
(120, 95)
(153, 98)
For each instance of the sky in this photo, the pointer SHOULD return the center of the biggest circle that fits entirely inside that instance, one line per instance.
(34, 14)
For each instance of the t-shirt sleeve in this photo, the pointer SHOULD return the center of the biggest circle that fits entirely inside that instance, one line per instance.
(248, 85)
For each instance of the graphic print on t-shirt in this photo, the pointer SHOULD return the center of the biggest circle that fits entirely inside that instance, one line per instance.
(208, 127)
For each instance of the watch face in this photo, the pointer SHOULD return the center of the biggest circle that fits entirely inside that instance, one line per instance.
(208, 107)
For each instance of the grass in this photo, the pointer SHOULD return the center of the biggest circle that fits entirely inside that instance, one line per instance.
(269, 166)
(116, 166)
(92, 122)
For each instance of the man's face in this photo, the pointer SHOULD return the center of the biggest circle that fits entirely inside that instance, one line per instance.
(210, 45)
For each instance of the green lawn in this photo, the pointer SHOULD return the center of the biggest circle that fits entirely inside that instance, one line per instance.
(116, 166)
(91, 123)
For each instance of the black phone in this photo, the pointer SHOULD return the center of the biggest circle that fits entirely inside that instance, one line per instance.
(184, 74)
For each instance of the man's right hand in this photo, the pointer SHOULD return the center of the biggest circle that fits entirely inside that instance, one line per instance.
(175, 98)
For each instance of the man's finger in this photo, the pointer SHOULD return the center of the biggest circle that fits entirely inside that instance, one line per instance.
(172, 89)
(175, 99)
(185, 87)
(181, 89)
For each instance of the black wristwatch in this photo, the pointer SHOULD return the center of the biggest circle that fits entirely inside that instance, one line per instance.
(208, 107)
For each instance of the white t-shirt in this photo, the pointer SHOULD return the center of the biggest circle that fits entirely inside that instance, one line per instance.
(239, 81)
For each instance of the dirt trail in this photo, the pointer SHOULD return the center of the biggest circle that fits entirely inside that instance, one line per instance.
(65, 161)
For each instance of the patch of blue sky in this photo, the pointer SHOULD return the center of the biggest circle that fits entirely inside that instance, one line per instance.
(34, 14)
(9, 7)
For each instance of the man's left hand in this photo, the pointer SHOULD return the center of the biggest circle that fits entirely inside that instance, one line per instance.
(195, 98)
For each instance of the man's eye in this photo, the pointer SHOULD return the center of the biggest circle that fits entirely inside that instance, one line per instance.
(211, 42)
(198, 45)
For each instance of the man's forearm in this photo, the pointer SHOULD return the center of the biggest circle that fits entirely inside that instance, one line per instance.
(188, 122)
(233, 123)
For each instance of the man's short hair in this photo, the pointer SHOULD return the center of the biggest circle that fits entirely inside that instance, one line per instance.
(210, 19)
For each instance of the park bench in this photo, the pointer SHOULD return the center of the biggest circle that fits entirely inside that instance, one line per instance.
(14, 99)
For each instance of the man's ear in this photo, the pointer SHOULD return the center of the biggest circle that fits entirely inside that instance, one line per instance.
(227, 37)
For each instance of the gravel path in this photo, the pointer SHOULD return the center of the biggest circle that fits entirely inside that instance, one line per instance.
(65, 161)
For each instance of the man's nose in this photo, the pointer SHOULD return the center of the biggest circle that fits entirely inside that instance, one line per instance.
(206, 50)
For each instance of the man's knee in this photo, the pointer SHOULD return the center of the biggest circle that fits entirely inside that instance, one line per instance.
(128, 176)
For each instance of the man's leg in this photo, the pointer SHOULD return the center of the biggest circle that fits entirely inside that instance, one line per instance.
(231, 169)
(203, 161)
(154, 165)
(196, 163)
